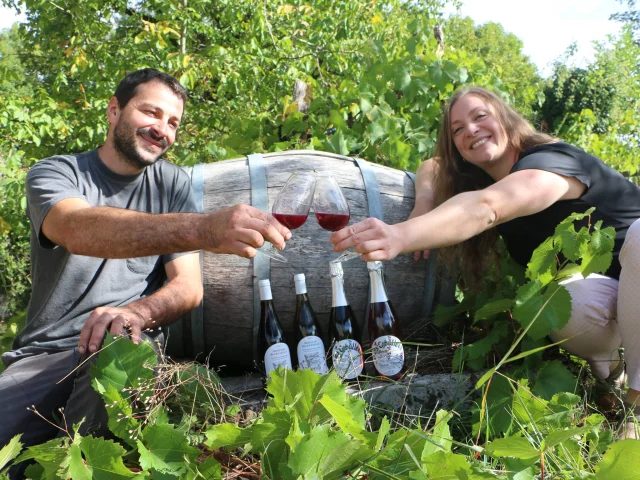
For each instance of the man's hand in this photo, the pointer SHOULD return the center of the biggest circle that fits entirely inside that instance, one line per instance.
(118, 320)
(240, 230)
(373, 238)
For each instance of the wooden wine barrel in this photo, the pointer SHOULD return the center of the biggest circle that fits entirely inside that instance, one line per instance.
(223, 329)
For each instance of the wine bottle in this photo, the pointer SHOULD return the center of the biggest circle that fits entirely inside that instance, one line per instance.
(311, 351)
(271, 340)
(346, 352)
(384, 328)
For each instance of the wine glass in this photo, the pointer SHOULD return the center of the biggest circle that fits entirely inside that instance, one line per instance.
(291, 207)
(332, 209)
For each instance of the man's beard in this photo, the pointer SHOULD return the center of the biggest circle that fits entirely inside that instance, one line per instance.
(124, 141)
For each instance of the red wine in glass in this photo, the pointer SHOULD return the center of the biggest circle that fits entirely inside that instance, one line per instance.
(291, 221)
(332, 221)
(291, 207)
(329, 204)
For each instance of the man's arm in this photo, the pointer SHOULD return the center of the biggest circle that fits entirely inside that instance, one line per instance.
(181, 293)
(107, 232)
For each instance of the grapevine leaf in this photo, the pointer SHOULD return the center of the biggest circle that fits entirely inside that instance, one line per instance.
(554, 378)
(104, 459)
(35, 471)
(296, 433)
(375, 130)
(543, 264)
(620, 462)
(210, 469)
(123, 364)
(516, 447)
(303, 389)
(163, 449)
(526, 407)
(10, 451)
(75, 464)
(521, 469)
(337, 144)
(570, 241)
(440, 434)
(403, 78)
(418, 475)
(228, 435)
(346, 421)
(597, 254)
(326, 453)
(50, 455)
(542, 309)
(269, 437)
(447, 466)
(489, 310)
(121, 418)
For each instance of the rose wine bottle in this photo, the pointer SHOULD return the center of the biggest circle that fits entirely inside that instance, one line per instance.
(271, 340)
(311, 351)
(346, 350)
(384, 328)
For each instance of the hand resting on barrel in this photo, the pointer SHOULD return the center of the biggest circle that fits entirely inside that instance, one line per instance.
(241, 229)
(373, 238)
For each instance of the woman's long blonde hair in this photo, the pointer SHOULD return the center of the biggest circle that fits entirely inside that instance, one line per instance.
(455, 175)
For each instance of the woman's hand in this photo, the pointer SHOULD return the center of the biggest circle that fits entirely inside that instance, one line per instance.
(372, 237)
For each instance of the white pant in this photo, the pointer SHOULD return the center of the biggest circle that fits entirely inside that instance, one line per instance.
(605, 314)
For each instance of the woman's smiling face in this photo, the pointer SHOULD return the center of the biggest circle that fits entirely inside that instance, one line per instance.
(477, 133)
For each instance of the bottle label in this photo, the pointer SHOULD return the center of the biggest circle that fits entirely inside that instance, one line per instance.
(311, 354)
(277, 355)
(347, 359)
(388, 355)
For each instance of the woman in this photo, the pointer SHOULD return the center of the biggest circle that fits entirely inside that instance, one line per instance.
(492, 169)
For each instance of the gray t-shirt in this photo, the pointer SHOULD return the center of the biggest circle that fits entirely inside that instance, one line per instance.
(66, 287)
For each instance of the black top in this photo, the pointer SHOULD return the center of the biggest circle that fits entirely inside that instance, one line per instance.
(616, 199)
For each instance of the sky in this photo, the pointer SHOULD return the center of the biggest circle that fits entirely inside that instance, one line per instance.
(546, 27)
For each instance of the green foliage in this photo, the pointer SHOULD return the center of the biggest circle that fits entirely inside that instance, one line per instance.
(598, 107)
(502, 54)
(10, 451)
(312, 429)
(529, 306)
(574, 90)
(8, 331)
(619, 461)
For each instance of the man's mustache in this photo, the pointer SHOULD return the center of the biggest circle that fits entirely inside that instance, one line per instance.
(150, 133)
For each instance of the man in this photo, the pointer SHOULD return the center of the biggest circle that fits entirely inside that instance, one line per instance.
(108, 228)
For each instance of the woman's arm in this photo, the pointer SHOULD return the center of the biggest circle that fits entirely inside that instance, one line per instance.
(425, 195)
(519, 194)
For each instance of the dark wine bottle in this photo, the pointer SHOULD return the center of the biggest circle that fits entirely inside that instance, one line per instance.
(384, 328)
(311, 351)
(344, 332)
(272, 343)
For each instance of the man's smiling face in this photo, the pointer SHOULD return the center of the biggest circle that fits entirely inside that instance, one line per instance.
(146, 127)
